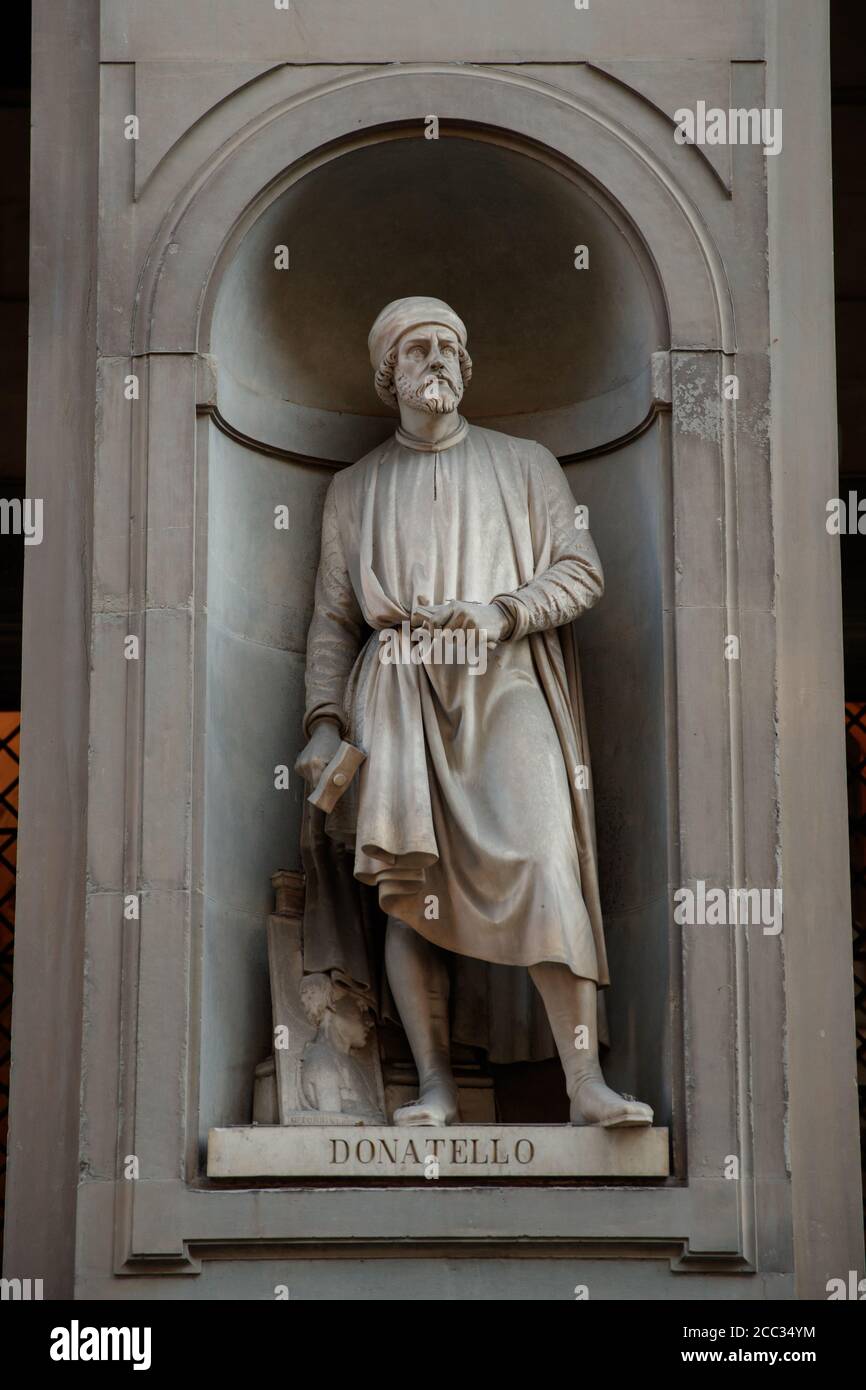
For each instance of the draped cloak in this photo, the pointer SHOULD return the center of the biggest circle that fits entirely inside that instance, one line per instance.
(472, 817)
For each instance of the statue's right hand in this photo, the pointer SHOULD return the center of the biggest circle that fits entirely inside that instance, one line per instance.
(324, 742)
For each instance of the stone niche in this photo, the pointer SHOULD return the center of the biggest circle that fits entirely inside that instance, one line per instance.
(492, 226)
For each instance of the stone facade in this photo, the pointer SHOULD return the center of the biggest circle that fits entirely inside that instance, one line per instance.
(178, 395)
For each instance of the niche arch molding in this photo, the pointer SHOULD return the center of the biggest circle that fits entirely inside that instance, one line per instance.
(205, 222)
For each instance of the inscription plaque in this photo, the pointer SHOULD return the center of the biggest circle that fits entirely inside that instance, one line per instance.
(453, 1151)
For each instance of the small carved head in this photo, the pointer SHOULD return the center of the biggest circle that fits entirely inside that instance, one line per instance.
(340, 1015)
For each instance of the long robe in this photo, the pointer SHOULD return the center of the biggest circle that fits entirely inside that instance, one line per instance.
(472, 815)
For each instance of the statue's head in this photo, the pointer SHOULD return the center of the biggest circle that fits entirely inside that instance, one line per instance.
(337, 1011)
(418, 351)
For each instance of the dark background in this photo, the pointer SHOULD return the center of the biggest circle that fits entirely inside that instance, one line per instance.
(848, 53)
(14, 203)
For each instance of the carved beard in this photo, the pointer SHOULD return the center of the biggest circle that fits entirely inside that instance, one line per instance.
(437, 392)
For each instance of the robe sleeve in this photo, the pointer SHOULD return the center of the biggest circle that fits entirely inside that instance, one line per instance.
(573, 581)
(334, 638)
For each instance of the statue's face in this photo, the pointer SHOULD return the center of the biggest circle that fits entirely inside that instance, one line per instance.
(350, 1023)
(427, 373)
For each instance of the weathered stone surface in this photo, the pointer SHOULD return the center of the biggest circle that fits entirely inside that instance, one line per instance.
(410, 32)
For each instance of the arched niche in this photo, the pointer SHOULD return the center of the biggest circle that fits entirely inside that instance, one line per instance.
(490, 223)
(474, 217)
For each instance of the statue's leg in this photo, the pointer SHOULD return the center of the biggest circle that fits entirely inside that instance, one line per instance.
(571, 1003)
(418, 978)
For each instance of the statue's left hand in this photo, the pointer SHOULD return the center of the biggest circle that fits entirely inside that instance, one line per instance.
(460, 613)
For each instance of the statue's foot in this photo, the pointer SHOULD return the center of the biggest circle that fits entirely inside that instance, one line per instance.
(594, 1103)
(436, 1105)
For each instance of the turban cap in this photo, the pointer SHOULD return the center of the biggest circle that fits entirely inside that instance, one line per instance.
(402, 314)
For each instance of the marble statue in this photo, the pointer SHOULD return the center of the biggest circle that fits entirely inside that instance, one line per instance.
(331, 1080)
(471, 811)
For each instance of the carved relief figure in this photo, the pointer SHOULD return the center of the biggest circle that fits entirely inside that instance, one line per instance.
(331, 1079)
